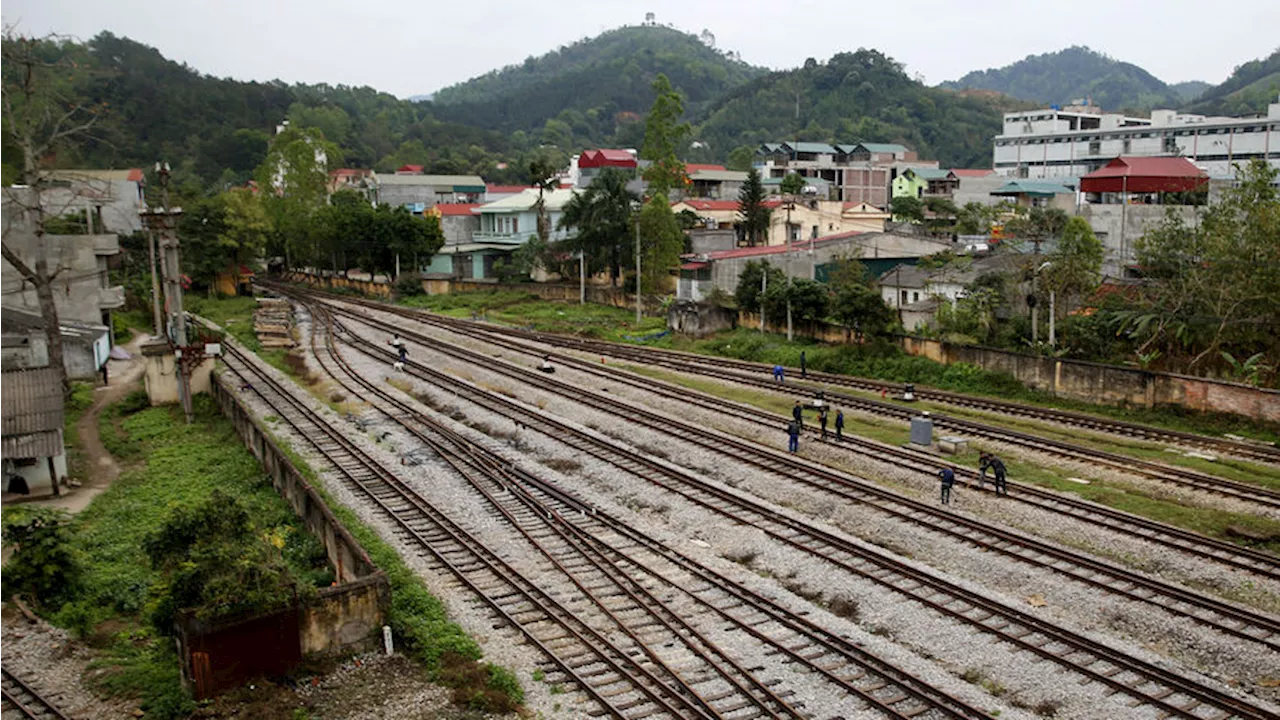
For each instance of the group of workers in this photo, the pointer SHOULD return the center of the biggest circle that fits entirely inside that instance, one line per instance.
(796, 425)
(986, 461)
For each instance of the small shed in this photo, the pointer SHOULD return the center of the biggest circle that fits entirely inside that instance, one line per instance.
(35, 460)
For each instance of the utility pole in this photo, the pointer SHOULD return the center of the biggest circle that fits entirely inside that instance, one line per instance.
(582, 277)
(790, 204)
(764, 286)
(155, 284)
(638, 267)
(170, 264)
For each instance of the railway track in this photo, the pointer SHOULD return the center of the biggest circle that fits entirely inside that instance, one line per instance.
(542, 509)
(1255, 451)
(1181, 477)
(1236, 556)
(1242, 558)
(1223, 617)
(614, 677)
(21, 698)
(1144, 683)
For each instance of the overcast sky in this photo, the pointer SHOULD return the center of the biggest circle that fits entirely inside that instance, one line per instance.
(409, 47)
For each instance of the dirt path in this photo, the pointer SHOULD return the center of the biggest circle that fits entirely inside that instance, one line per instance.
(101, 467)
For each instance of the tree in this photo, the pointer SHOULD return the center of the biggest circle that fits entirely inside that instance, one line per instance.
(42, 116)
(906, 208)
(664, 134)
(751, 280)
(792, 184)
(975, 218)
(43, 567)
(542, 174)
(1077, 264)
(603, 217)
(294, 180)
(1214, 286)
(662, 241)
(860, 308)
(809, 300)
(741, 158)
(755, 216)
(1036, 224)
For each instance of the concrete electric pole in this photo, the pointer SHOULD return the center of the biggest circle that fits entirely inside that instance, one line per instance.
(165, 220)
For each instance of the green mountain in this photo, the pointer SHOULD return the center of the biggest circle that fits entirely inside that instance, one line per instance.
(594, 91)
(1190, 90)
(1073, 73)
(858, 97)
(215, 131)
(1248, 91)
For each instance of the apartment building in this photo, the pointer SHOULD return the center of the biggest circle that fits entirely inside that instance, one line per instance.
(858, 173)
(1077, 140)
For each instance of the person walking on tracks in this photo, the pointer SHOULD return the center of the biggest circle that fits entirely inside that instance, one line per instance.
(797, 412)
(948, 476)
(793, 436)
(997, 468)
(822, 420)
(839, 424)
(804, 371)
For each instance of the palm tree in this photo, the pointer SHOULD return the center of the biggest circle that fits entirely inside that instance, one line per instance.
(544, 179)
(602, 216)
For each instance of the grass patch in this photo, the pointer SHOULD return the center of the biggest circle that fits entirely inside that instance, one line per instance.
(77, 404)
(886, 361)
(520, 309)
(1218, 524)
(233, 314)
(183, 465)
(123, 324)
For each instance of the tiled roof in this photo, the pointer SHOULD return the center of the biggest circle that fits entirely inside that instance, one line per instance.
(504, 188)
(978, 172)
(131, 175)
(690, 168)
(1030, 187)
(927, 173)
(450, 209)
(883, 147)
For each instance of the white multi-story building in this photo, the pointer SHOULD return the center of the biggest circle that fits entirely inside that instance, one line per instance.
(1071, 142)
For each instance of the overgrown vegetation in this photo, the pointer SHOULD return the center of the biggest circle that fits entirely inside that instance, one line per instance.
(116, 592)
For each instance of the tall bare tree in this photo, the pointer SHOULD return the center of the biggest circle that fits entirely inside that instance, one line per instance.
(41, 116)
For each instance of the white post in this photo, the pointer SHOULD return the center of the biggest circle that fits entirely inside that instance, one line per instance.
(387, 644)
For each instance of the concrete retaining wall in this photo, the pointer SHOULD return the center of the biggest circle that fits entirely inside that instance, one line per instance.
(345, 617)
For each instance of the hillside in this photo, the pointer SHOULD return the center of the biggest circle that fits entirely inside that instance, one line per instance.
(1190, 90)
(858, 97)
(1076, 72)
(594, 90)
(1248, 91)
(215, 131)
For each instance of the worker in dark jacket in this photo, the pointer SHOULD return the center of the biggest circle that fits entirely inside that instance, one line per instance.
(822, 420)
(804, 372)
(797, 412)
(839, 424)
(987, 460)
(793, 436)
(948, 476)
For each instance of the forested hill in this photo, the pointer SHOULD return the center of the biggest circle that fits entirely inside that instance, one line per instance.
(1076, 72)
(596, 89)
(1248, 91)
(859, 97)
(215, 131)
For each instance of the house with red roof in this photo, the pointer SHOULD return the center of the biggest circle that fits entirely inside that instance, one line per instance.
(409, 170)
(585, 167)
(458, 221)
(361, 180)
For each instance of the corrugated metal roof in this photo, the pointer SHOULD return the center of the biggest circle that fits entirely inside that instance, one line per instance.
(35, 445)
(883, 147)
(719, 175)
(32, 401)
(1024, 187)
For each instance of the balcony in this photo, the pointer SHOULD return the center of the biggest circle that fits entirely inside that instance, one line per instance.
(111, 298)
(510, 238)
(106, 244)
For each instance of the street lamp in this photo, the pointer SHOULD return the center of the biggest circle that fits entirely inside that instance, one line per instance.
(1053, 337)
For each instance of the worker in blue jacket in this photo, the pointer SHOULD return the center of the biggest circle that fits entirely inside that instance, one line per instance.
(948, 476)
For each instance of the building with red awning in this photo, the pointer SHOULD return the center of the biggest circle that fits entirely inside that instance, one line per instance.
(1146, 175)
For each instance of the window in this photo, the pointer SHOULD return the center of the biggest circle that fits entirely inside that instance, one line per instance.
(1171, 145)
(515, 225)
(904, 298)
(915, 297)
(1126, 145)
(1095, 147)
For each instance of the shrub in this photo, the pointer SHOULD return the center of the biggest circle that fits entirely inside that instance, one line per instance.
(409, 284)
(43, 566)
